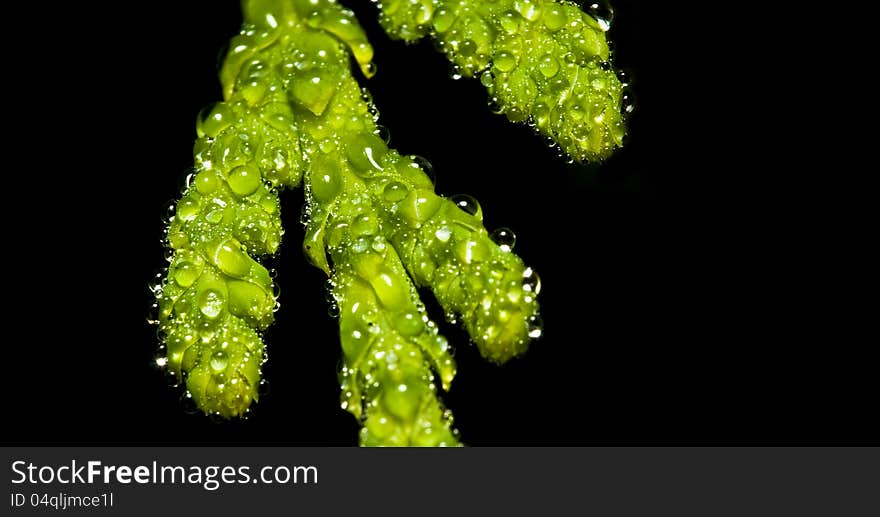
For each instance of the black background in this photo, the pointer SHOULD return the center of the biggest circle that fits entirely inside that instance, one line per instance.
(684, 298)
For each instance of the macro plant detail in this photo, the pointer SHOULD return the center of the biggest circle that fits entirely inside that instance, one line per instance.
(294, 113)
(541, 61)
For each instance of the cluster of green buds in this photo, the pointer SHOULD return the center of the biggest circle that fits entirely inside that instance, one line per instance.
(293, 112)
(545, 62)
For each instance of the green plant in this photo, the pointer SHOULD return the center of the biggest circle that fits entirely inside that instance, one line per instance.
(293, 112)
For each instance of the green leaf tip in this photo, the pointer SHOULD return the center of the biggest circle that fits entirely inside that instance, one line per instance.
(544, 62)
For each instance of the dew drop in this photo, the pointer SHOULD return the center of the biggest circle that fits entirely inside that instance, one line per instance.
(495, 106)
(384, 133)
(527, 9)
(214, 216)
(314, 19)
(213, 119)
(467, 204)
(263, 388)
(536, 327)
(211, 303)
(443, 233)
(153, 314)
(395, 191)
(531, 281)
(168, 211)
(219, 361)
(455, 72)
(510, 21)
(244, 180)
(487, 79)
(422, 163)
(409, 324)
(504, 238)
(378, 244)
(602, 12)
(548, 65)
(443, 20)
(627, 100)
(364, 224)
(467, 48)
(189, 404)
(505, 61)
(185, 274)
(554, 17)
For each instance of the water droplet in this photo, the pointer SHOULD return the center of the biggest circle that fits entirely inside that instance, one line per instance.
(554, 17)
(505, 61)
(409, 324)
(263, 388)
(395, 191)
(487, 79)
(231, 260)
(189, 404)
(211, 303)
(153, 314)
(443, 20)
(495, 106)
(548, 65)
(244, 180)
(602, 12)
(536, 327)
(531, 281)
(365, 224)
(168, 211)
(214, 216)
(425, 165)
(627, 99)
(186, 273)
(156, 287)
(219, 361)
(504, 238)
(443, 233)
(510, 21)
(455, 72)
(528, 9)
(213, 119)
(378, 244)
(467, 48)
(467, 204)
(384, 133)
